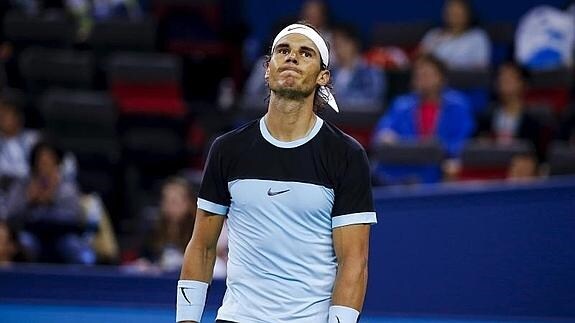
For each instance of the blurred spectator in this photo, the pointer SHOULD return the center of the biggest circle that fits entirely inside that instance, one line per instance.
(545, 38)
(88, 11)
(508, 119)
(523, 168)
(15, 141)
(316, 13)
(357, 85)
(49, 210)
(173, 229)
(101, 235)
(431, 112)
(8, 245)
(459, 43)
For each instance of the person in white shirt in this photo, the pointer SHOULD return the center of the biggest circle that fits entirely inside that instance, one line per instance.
(459, 44)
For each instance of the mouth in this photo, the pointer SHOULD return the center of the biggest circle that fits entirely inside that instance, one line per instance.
(289, 68)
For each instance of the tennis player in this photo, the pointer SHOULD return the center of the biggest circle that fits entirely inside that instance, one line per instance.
(297, 197)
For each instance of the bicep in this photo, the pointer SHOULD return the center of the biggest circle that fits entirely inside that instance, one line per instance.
(351, 243)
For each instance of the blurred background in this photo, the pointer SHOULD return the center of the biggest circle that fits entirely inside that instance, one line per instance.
(466, 109)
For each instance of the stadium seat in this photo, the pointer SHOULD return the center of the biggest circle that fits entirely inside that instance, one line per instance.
(475, 84)
(561, 158)
(550, 88)
(358, 124)
(146, 84)
(408, 162)
(117, 35)
(485, 160)
(42, 68)
(53, 29)
(404, 35)
(84, 123)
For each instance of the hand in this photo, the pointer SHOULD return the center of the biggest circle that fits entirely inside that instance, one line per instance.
(387, 137)
(451, 169)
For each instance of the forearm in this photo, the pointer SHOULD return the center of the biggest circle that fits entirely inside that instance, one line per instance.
(350, 285)
(198, 262)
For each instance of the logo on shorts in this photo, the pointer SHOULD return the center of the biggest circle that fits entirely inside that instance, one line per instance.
(271, 193)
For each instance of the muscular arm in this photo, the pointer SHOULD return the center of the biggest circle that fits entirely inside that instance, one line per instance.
(200, 255)
(351, 244)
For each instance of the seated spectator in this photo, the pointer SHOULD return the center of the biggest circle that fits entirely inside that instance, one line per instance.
(316, 13)
(49, 211)
(357, 85)
(173, 229)
(431, 112)
(8, 245)
(16, 142)
(545, 38)
(459, 44)
(86, 12)
(508, 119)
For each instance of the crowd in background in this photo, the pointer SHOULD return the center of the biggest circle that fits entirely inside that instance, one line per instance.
(51, 210)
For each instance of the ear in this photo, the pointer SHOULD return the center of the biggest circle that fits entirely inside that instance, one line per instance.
(323, 78)
(267, 73)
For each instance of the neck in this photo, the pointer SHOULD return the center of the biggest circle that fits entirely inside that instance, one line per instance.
(431, 96)
(512, 105)
(289, 120)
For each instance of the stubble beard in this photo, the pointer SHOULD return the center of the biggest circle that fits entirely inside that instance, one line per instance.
(291, 93)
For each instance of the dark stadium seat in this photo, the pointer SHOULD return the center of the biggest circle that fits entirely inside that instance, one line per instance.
(407, 162)
(485, 160)
(85, 123)
(550, 88)
(124, 35)
(53, 29)
(474, 83)
(561, 158)
(404, 35)
(146, 83)
(42, 68)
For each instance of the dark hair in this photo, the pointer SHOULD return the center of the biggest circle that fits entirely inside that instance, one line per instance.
(320, 100)
(159, 237)
(522, 72)
(42, 145)
(433, 60)
(472, 19)
(12, 101)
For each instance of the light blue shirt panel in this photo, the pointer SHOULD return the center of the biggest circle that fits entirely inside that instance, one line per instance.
(281, 265)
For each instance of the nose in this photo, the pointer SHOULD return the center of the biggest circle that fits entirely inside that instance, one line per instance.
(292, 57)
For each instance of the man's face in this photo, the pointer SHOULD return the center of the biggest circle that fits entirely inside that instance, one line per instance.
(294, 68)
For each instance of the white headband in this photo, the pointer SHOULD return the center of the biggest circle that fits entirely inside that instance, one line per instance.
(321, 46)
